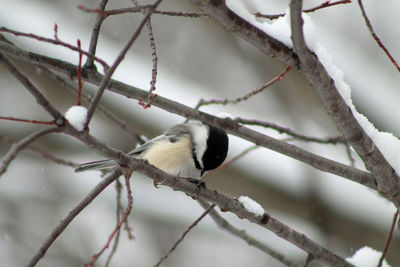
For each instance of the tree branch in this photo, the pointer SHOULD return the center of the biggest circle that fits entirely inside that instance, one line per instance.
(280, 129)
(95, 35)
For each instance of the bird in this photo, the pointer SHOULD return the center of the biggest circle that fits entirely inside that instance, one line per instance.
(186, 150)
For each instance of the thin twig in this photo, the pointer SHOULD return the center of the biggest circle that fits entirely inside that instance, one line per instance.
(95, 34)
(323, 5)
(224, 224)
(118, 60)
(55, 42)
(326, 4)
(279, 77)
(280, 129)
(79, 72)
(153, 81)
(104, 183)
(118, 188)
(375, 36)
(150, 95)
(43, 153)
(137, 9)
(119, 225)
(23, 143)
(28, 121)
(184, 234)
(389, 238)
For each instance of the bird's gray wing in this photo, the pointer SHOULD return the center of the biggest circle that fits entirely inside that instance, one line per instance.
(145, 146)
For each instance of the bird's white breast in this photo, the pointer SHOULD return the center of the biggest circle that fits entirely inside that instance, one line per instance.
(173, 158)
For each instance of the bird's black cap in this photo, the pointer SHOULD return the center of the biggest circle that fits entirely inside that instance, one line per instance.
(217, 148)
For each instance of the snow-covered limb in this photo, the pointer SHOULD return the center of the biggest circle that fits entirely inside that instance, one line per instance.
(339, 106)
(274, 40)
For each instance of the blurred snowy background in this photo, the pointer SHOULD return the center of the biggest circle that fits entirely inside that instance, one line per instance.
(197, 59)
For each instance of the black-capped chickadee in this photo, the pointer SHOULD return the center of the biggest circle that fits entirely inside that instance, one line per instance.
(185, 150)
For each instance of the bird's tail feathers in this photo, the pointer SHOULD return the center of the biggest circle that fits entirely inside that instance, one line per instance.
(96, 165)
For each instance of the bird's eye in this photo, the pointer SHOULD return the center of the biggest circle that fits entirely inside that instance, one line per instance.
(173, 139)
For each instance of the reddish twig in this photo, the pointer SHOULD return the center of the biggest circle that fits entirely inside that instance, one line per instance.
(185, 233)
(29, 121)
(389, 238)
(279, 77)
(55, 42)
(118, 227)
(150, 95)
(375, 36)
(323, 5)
(153, 81)
(79, 72)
